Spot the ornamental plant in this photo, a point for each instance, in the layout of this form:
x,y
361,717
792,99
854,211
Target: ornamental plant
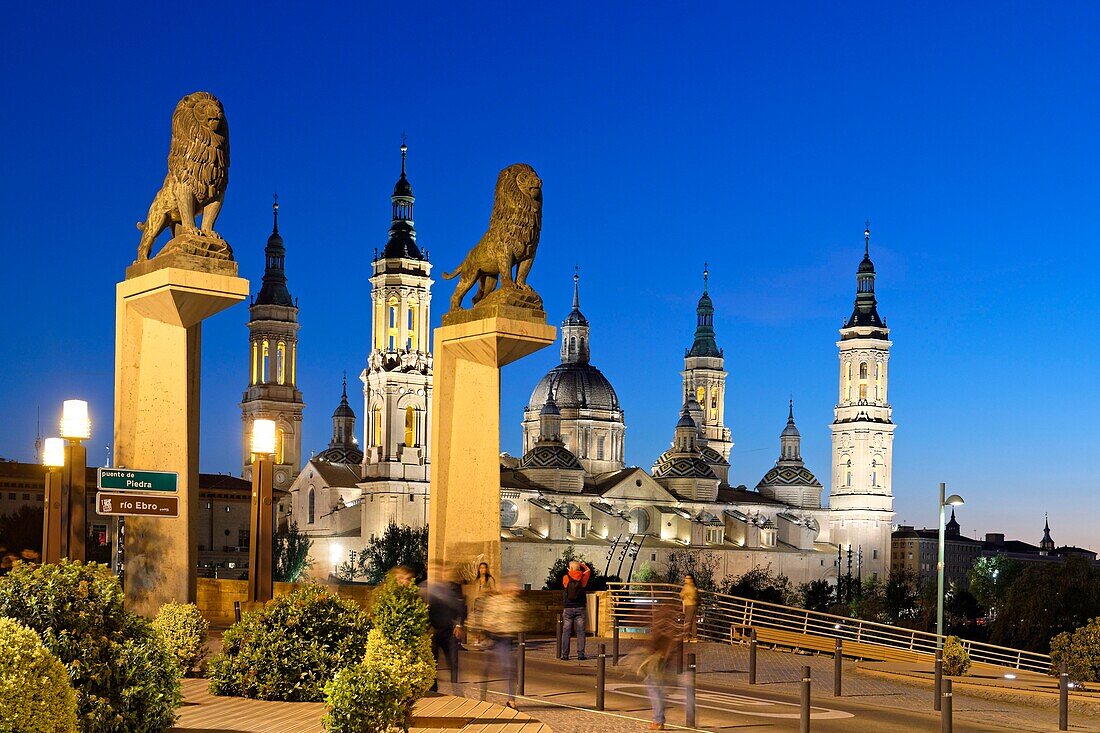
x,y
184,632
1080,650
956,660
377,695
291,647
35,694
124,677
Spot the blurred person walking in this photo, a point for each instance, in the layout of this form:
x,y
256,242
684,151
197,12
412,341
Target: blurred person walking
x,y
483,586
504,617
575,602
446,616
664,631
689,596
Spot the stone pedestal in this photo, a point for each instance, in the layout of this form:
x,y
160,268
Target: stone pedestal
x,y
158,333
464,510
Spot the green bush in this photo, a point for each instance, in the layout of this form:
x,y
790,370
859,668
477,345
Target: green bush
x,y
35,694
184,632
1080,649
956,660
290,648
378,694
125,679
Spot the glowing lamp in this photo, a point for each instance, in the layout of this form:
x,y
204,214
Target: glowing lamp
x,y
954,500
75,423
53,452
263,437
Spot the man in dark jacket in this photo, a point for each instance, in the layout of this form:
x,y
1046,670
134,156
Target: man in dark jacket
x,y
446,617
575,602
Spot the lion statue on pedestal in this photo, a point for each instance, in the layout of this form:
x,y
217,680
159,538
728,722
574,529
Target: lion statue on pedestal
x,y
510,243
198,172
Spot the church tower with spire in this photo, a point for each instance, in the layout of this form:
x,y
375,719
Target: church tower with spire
x,y
704,377
860,498
273,392
397,383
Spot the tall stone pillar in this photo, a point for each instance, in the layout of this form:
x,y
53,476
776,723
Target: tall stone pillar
x,y
158,334
464,513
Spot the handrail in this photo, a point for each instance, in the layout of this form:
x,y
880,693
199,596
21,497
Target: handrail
x,y
724,614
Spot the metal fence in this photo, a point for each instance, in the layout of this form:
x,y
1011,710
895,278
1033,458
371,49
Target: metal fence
x,y
728,619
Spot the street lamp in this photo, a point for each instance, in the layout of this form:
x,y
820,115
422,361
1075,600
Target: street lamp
x,y
75,427
953,500
261,527
53,457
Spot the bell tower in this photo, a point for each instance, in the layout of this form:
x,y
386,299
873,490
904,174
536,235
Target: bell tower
x,y
860,498
705,377
273,360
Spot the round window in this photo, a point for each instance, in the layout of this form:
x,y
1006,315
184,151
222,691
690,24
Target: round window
x,y
509,513
639,521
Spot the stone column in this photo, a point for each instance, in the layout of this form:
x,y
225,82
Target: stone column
x,y
158,334
464,509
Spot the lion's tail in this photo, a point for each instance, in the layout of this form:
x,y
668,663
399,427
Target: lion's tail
x,y
452,275
141,226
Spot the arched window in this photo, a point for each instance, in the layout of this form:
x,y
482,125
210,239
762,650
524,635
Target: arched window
x,y
714,401
410,425
410,326
280,440
377,425
874,472
311,505
639,521
701,395
572,344
393,325
255,362
280,363
848,474
263,363
863,370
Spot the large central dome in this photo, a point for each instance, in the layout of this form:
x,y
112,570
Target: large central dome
x,y
576,385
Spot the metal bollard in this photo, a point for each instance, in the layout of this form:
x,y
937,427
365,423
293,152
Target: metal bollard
x,y
615,643
804,715
557,650
601,672
680,653
689,693
838,666
752,656
237,610
1063,697
521,663
945,714
938,687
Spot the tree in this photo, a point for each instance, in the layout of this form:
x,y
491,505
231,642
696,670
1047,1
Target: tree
x,y
1046,599
900,598
870,603
557,571
989,579
699,565
759,584
817,595
402,545
290,554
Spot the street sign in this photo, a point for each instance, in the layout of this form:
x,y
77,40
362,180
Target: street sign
x,y
126,504
123,479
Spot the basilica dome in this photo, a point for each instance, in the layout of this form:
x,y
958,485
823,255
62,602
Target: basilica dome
x,y
576,385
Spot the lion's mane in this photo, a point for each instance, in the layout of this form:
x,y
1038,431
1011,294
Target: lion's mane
x,y
198,156
516,220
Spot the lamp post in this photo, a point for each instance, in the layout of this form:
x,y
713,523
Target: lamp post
x,y
953,500
75,427
260,522
53,457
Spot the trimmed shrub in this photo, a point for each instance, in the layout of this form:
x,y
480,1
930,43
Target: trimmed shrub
x,y
378,694
1080,649
125,679
35,694
956,660
184,632
290,648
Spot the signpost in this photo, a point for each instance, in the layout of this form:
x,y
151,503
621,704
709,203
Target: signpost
x,y
124,479
126,504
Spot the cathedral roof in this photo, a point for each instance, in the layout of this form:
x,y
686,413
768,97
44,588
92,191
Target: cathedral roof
x,y
788,476
576,386
274,290
346,454
550,456
671,465
712,457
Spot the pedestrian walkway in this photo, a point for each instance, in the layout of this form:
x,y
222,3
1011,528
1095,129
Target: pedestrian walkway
x,y
206,713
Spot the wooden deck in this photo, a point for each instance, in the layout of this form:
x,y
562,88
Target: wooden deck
x,y
205,713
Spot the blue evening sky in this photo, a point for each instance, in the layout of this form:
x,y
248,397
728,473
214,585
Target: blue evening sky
x,y
757,137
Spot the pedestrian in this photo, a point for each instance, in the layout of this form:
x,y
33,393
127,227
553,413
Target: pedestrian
x,y
689,596
483,586
504,617
446,617
663,633
575,607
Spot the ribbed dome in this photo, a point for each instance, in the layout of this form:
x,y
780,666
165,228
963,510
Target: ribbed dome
x,y
341,454
681,466
402,187
713,457
866,265
576,385
788,476
550,456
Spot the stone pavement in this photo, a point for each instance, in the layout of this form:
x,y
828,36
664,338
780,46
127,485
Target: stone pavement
x,y
725,665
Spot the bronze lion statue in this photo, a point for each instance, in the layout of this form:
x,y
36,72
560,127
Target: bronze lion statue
x,y
198,172
510,243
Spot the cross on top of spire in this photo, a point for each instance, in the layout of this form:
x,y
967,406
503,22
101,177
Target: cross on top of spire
x,y
706,276
867,238
275,211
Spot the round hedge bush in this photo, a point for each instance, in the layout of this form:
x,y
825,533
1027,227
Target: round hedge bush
x,y
35,694
1080,650
125,679
291,647
377,695
184,632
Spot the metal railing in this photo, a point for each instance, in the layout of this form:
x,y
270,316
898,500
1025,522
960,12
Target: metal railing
x,y
728,618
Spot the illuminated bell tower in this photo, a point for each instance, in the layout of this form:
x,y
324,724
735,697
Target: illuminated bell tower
x,y
397,383
273,391
861,501
705,377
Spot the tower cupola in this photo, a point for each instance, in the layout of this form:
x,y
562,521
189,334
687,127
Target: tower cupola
x,y
402,241
550,419
1046,545
865,312
704,344
575,330
790,440
274,290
